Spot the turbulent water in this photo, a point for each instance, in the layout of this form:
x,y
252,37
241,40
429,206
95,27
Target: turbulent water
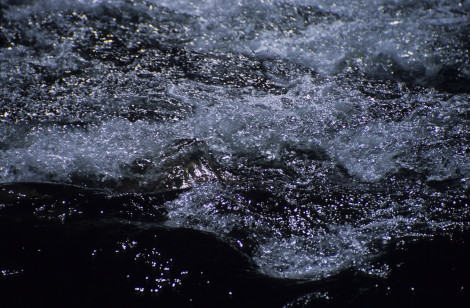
x,y
221,153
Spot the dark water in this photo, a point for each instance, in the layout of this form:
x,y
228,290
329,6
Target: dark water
x,y
234,153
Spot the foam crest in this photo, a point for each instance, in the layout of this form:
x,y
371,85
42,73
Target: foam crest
x,y
54,153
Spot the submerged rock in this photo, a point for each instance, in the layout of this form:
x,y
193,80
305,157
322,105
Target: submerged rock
x,y
182,165
187,162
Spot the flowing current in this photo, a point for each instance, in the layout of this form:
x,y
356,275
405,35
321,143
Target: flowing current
x,y
311,138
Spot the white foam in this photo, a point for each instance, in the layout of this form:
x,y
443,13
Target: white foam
x,y
55,153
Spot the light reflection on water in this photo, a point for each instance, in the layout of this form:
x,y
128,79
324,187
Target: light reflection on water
x,y
302,133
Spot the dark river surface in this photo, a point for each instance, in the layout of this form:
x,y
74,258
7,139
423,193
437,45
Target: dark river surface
x,y
216,153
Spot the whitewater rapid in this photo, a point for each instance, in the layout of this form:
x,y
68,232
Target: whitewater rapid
x,y
317,131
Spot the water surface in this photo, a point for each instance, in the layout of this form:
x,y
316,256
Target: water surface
x,y
234,153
